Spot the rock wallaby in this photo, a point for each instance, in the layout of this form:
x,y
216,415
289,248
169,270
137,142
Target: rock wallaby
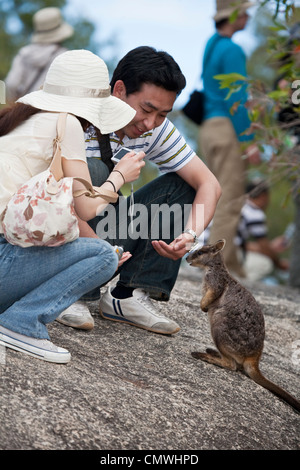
x,y
236,320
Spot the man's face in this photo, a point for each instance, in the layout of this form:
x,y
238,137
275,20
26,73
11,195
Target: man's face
x,y
152,104
241,21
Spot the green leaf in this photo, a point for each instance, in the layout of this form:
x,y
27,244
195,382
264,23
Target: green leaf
x,y
230,77
232,90
277,94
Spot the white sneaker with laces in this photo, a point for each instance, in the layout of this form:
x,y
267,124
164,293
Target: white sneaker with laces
x,y
39,348
137,310
77,316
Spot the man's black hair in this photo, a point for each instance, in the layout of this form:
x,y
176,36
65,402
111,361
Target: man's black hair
x,y
219,24
145,64
257,187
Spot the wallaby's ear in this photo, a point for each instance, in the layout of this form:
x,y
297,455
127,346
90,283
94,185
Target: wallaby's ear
x,y
219,245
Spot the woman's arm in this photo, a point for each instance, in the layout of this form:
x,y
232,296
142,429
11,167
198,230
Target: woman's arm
x,y
87,208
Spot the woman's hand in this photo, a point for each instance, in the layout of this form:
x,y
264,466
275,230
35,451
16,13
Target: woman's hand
x,y
130,165
125,257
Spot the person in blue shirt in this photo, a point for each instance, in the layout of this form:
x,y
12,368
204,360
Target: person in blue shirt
x,y
226,125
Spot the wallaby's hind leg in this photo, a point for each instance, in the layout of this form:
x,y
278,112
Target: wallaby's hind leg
x,y
213,357
213,352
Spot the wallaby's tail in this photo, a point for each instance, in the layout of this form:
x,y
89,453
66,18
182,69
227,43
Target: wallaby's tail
x,y
252,369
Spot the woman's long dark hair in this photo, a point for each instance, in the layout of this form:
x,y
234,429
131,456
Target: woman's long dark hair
x,y
17,113
14,115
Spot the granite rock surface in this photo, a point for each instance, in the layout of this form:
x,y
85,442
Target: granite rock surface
x,y
129,389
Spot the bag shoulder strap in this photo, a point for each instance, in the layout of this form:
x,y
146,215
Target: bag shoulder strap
x,y
56,164
92,191
57,171
209,51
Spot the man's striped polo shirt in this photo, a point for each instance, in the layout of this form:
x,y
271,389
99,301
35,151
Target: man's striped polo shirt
x,y
163,146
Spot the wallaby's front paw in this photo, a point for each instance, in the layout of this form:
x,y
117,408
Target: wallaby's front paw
x,y
204,304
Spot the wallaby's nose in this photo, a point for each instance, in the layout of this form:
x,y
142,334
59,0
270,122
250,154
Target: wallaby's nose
x,y
193,255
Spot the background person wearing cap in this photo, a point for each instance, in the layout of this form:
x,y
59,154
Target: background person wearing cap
x,y
221,132
31,64
38,283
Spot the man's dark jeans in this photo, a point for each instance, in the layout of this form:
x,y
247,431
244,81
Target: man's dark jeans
x,y
146,269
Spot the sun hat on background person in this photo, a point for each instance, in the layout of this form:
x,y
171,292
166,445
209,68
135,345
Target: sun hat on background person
x,y
225,8
77,82
30,65
49,26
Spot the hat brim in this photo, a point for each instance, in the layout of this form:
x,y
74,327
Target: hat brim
x,y
108,114
63,32
227,12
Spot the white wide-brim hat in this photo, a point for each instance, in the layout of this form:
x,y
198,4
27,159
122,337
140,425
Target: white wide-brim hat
x,y
77,82
49,27
225,8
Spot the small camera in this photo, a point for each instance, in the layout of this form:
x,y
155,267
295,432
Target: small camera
x,y
119,250
120,154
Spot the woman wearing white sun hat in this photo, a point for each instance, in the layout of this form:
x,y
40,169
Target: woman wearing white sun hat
x,y
38,283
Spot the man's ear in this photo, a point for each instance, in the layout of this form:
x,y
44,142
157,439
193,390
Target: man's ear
x,y
119,90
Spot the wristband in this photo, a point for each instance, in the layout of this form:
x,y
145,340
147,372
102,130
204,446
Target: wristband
x,y
108,181
191,232
120,174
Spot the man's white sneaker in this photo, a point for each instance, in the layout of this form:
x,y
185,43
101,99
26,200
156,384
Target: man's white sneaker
x,y
77,316
39,348
137,310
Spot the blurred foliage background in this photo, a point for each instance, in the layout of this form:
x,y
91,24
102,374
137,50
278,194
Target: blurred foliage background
x,y
272,22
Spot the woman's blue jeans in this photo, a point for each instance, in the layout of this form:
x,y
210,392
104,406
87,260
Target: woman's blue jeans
x,y
146,269
38,283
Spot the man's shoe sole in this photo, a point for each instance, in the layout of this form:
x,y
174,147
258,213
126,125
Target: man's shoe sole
x,y
108,316
84,326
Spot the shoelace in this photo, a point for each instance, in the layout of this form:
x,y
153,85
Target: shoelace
x,y
48,345
145,300
78,307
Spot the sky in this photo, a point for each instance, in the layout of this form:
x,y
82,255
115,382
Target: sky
x,y
179,27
